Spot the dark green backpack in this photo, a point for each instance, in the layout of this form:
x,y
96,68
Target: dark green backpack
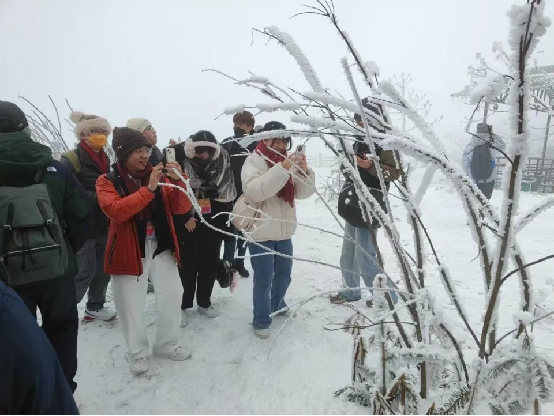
x,y
32,244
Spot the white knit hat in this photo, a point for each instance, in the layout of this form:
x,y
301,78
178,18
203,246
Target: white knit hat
x,y
86,123
139,124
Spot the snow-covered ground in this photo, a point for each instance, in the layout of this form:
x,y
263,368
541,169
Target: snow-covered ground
x,y
232,371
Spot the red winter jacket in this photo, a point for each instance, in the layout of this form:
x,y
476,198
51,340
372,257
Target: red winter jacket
x,y
123,256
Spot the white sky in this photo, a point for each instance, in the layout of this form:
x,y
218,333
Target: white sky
x,y
143,58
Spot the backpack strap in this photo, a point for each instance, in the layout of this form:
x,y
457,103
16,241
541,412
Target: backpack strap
x,y
73,157
118,184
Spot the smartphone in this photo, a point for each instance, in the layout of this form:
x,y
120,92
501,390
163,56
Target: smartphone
x,y
301,149
169,155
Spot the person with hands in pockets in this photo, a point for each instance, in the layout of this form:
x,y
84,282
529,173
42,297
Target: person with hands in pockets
x,y
273,181
142,238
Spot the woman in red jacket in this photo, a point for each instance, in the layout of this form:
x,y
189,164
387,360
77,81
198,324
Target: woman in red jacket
x,y
142,238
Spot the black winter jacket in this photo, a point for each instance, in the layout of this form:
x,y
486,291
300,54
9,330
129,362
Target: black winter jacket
x,y
87,177
233,148
348,205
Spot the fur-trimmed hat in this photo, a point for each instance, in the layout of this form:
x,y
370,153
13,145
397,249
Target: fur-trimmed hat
x,y
202,138
139,124
85,124
125,140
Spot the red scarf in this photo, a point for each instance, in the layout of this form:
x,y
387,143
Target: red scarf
x,y
132,186
100,159
272,158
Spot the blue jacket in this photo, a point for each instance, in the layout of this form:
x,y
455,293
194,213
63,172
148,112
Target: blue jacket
x,y
31,378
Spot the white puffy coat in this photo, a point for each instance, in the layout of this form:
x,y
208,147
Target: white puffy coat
x,y
261,183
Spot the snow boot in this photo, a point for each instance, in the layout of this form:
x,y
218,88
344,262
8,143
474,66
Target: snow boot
x,y
139,366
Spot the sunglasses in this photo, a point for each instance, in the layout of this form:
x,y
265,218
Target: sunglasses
x,y
205,149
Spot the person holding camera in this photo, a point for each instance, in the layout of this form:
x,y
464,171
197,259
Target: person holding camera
x,y
142,239
363,231
208,167
243,125
272,181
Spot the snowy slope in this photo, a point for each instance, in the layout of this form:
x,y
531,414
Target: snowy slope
x,y
234,372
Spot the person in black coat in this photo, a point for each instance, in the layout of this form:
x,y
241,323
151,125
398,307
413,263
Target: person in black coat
x,y
243,125
357,226
88,161
32,381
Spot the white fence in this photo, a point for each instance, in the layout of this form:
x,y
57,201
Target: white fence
x,y
320,160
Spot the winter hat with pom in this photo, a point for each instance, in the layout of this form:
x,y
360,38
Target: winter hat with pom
x,y
125,140
202,138
484,128
85,124
12,118
139,124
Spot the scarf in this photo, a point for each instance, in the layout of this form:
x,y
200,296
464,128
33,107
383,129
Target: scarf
x,y
213,180
272,158
133,187
100,159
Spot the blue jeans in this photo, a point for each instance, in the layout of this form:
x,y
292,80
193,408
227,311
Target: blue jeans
x,y
355,260
271,280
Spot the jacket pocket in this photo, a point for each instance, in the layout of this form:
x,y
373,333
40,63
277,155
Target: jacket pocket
x,y
112,248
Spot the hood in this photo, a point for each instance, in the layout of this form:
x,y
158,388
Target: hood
x,y
21,157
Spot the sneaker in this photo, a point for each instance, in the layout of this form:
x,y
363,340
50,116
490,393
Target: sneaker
x,y
239,267
184,321
288,313
104,314
176,354
139,366
210,311
262,333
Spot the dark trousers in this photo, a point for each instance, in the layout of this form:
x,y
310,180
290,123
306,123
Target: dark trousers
x,y
57,304
486,188
230,246
199,260
91,276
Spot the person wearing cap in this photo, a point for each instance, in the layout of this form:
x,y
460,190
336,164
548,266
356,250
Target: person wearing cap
x,y
87,162
243,125
146,128
142,238
270,180
24,162
479,158
208,167
356,226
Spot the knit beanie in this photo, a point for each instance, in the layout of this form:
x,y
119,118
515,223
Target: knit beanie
x,y
12,118
85,124
484,128
202,138
125,140
139,124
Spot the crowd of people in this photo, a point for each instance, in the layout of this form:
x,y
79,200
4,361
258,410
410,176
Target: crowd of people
x,y
70,227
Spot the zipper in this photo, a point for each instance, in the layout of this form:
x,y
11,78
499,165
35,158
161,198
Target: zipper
x,y
30,250
112,248
137,248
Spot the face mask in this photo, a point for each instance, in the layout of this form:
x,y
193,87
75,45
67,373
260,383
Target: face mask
x,y
239,132
97,141
201,162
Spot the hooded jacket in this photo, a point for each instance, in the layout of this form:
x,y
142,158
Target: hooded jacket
x,y
20,160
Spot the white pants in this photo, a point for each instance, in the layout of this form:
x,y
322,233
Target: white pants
x,y
130,296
